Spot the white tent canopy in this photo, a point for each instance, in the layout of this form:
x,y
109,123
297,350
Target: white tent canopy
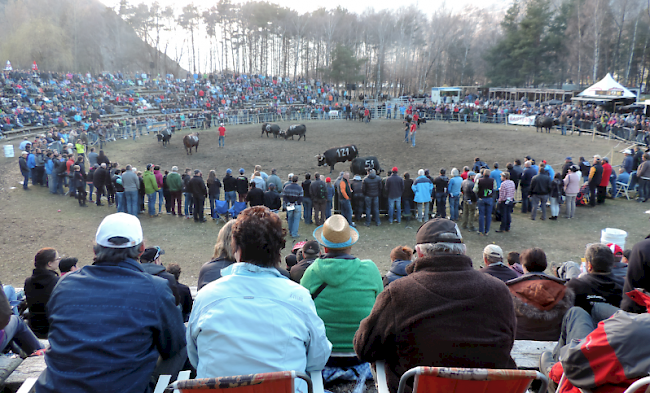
x,y
607,89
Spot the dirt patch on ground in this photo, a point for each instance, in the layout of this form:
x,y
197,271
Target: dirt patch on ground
x,y
35,219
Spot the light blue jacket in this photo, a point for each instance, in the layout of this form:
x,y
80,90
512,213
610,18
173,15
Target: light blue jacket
x,y
255,320
422,187
454,186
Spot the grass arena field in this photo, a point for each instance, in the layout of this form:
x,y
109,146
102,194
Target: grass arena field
x,y
35,219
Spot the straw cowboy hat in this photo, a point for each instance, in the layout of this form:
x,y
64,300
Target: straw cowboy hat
x,y
336,233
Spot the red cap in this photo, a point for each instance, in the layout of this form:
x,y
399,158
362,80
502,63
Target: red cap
x,y
616,249
544,161
394,169
298,245
328,179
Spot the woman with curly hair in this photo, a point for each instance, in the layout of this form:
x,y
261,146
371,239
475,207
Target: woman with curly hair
x,y
252,319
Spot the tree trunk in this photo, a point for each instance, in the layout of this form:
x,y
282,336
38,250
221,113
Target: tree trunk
x,y
629,62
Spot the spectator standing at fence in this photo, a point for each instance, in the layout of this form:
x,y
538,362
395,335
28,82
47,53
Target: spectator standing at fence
x,y
604,181
318,192
524,183
92,157
229,188
422,188
151,189
293,197
199,192
540,189
187,193
242,185
595,177
306,201
222,135
24,169
131,185
394,190
135,323
214,189
172,181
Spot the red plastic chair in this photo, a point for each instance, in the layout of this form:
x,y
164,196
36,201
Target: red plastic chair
x,y
276,382
470,380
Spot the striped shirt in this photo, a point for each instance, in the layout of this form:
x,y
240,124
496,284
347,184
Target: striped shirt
x,y
293,193
507,190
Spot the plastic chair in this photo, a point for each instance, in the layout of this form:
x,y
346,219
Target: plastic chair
x,y
275,382
623,187
237,208
639,383
465,380
221,209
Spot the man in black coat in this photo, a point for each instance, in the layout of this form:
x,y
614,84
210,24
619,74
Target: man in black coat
x,y
540,188
272,198
242,185
524,183
255,196
229,188
595,176
100,179
197,187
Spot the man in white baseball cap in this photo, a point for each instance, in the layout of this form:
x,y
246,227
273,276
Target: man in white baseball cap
x,y
113,328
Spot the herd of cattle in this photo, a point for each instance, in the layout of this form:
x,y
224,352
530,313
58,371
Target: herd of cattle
x,y
297,129
359,165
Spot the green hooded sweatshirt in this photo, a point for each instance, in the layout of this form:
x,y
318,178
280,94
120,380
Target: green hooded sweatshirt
x,y
352,287
150,184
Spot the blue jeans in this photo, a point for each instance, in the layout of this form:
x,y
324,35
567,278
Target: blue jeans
x,y
25,179
293,218
91,188
328,209
372,204
161,200
485,214
131,198
407,207
18,331
413,138
189,201
120,199
577,324
51,182
346,209
453,207
392,202
306,204
59,185
441,205
213,205
230,198
222,141
151,203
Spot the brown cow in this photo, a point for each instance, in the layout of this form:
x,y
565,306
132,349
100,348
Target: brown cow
x,y
191,140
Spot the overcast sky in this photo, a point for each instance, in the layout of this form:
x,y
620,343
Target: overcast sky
x,y
358,6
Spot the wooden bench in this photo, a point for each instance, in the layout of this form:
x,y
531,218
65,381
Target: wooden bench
x,y
526,353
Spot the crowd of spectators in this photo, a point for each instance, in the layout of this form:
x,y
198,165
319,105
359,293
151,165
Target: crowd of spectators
x,y
252,314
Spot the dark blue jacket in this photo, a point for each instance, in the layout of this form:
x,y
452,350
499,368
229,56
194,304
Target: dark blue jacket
x,y
527,177
397,270
109,322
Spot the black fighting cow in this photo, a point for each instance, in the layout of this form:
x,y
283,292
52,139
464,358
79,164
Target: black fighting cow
x,y
545,122
190,141
164,136
361,165
337,154
270,129
296,129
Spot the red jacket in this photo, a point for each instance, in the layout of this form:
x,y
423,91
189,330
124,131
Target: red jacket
x,y
607,172
607,361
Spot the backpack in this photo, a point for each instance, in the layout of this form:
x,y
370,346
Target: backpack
x,y
583,194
